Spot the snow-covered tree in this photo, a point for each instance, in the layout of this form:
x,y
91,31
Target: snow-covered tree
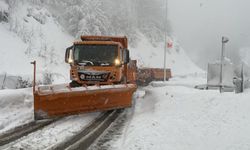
x,y
86,17
111,17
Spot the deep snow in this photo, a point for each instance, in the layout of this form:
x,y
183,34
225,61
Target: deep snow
x,y
179,117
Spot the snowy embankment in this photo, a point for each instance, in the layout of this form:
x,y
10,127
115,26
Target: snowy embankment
x,y
16,108
33,33
179,117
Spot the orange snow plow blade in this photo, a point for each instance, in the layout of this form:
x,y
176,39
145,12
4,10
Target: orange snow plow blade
x,y
61,100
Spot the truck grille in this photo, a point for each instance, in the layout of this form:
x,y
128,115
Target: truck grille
x,y
93,76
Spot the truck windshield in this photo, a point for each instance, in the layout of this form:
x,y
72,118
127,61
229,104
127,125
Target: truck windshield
x,y
95,55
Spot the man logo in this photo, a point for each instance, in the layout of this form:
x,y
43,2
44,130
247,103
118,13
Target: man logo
x,y
104,76
82,76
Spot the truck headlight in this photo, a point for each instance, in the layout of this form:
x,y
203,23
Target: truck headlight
x,y
117,62
70,60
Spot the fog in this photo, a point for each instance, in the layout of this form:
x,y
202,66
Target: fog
x,y
200,24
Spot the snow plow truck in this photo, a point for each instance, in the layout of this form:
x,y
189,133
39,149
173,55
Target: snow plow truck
x,y
102,78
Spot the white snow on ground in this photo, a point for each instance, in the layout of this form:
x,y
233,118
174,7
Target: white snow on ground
x,y
188,81
179,117
16,108
53,134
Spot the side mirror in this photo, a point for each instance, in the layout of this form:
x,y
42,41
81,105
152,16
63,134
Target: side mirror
x,y
126,56
68,54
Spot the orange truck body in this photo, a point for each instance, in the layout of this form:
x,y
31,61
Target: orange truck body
x,y
95,86
51,101
116,73
147,75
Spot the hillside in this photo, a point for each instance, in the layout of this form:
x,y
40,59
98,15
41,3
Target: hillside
x,y
35,31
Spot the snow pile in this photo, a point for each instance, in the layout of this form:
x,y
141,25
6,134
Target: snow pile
x,y
8,81
16,108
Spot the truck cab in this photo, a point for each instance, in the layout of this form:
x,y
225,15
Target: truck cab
x,y
98,60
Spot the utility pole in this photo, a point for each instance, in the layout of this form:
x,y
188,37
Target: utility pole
x,y
224,41
242,78
34,75
165,40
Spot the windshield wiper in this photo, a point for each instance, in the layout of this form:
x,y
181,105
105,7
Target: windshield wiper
x,y
103,63
85,62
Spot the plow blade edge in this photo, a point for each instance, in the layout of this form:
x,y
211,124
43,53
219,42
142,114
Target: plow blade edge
x,y
54,101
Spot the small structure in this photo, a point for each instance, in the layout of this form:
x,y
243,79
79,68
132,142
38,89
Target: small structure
x,y
223,79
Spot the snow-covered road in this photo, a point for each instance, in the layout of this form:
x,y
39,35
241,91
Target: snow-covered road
x,y
16,108
54,134
175,116
179,117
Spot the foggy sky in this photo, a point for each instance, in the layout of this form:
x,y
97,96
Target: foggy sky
x,y
199,25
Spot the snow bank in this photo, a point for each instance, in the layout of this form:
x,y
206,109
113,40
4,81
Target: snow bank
x,y
183,118
8,81
16,108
